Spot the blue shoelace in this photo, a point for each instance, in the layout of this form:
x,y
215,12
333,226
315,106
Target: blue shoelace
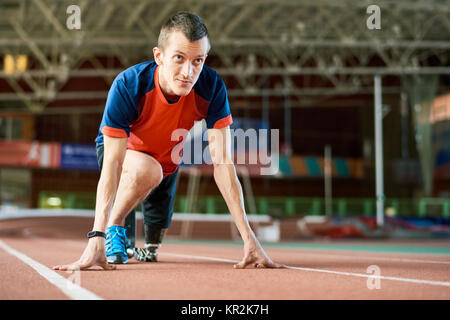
x,y
116,240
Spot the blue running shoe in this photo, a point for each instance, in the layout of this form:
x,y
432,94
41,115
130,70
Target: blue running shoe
x,y
115,245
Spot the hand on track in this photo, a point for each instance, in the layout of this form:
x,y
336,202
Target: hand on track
x,y
255,256
93,255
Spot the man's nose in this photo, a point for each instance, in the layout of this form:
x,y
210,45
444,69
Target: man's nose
x,y
186,70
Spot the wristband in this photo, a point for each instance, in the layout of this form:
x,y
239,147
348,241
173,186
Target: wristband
x,y
92,234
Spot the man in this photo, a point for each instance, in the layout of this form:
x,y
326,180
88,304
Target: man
x,y
145,105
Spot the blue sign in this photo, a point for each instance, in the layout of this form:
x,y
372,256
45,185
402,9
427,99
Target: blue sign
x,y
78,156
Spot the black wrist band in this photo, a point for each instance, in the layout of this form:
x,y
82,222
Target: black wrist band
x,y
92,234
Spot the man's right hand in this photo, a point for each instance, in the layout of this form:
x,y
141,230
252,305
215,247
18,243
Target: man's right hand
x,y
93,255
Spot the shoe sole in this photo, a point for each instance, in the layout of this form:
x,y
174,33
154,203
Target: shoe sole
x,y
152,258
116,260
146,260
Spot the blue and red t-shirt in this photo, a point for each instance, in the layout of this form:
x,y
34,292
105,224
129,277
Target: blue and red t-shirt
x,y
136,108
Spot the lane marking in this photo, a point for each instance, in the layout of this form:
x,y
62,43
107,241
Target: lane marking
x,y
376,258
342,256
425,249
361,275
70,289
338,250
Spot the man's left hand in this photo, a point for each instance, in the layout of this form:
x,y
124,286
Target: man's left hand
x,y
255,256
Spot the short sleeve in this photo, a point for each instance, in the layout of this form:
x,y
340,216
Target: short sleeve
x,y
219,115
120,111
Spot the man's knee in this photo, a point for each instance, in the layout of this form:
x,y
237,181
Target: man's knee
x,y
151,175
143,170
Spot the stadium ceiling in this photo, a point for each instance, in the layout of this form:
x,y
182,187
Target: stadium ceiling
x,y
264,46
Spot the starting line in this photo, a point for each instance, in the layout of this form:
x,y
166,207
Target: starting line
x,y
361,275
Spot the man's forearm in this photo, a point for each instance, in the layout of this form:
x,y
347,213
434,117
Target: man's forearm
x,y
229,186
106,192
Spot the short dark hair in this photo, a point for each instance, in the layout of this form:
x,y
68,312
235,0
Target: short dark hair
x,y
190,24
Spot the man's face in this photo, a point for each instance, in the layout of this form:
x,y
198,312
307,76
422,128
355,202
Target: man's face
x,y
181,63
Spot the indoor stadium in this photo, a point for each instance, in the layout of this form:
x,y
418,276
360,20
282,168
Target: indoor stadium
x,y
241,151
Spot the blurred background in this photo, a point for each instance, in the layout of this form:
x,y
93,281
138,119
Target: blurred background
x,y
304,67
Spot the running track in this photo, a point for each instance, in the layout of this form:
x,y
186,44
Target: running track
x,y
203,270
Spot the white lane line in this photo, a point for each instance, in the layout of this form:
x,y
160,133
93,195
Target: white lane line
x,y
341,256
72,290
362,275
375,258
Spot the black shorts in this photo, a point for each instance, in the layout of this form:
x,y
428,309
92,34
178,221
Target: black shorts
x,y
157,208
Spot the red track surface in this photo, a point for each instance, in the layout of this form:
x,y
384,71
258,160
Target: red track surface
x,y
192,277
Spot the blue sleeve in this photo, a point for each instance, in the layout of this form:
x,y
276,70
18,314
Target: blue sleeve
x,y
120,110
219,115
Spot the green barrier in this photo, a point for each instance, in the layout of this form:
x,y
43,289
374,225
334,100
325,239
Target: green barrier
x,y
276,206
342,207
446,209
66,200
368,207
316,207
263,205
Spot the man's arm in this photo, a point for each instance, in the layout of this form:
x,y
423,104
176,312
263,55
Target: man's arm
x,y
228,184
113,157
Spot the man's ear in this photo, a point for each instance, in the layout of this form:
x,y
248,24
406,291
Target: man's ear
x,y
157,54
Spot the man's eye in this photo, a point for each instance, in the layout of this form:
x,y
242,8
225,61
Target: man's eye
x,y
178,57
